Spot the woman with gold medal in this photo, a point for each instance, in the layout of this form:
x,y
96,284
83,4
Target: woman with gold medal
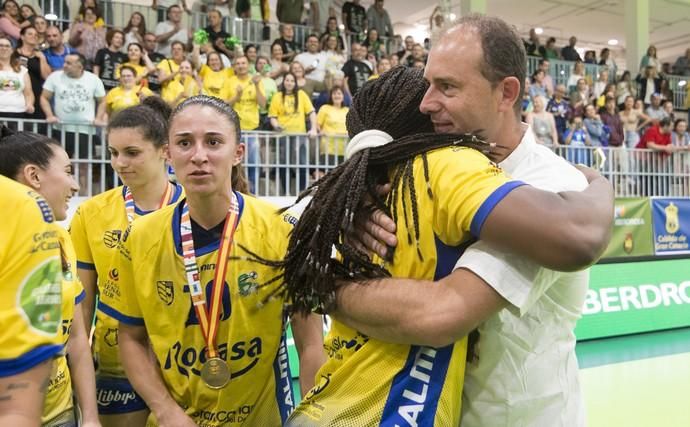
x,y
188,290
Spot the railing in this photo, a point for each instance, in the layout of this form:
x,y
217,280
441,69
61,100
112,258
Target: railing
x,y
284,164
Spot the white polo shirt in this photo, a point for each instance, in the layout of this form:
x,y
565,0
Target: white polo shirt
x,y
527,373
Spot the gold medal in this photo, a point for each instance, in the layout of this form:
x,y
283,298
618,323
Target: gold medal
x,y
215,373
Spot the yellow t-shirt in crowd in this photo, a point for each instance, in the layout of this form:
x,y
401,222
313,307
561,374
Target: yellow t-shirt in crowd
x,y
290,118
247,107
119,98
141,70
187,87
331,121
213,81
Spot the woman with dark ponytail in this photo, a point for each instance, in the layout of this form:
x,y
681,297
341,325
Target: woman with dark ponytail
x,y
42,164
138,145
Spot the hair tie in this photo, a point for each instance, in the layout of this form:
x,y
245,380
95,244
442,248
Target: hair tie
x,y
366,139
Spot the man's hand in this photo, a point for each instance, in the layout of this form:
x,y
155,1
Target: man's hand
x,y
374,233
52,119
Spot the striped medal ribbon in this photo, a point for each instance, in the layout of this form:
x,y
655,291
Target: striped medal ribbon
x,y
215,371
129,201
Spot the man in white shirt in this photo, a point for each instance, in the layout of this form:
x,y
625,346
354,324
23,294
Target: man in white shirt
x,y
171,30
526,371
313,60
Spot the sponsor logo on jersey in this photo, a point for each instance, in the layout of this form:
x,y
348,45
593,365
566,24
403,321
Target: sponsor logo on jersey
x,y
247,283
111,238
242,356
40,297
114,275
46,241
110,337
211,418
115,397
166,291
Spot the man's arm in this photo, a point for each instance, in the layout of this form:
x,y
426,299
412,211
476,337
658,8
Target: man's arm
x,y
46,96
144,374
421,312
21,396
308,334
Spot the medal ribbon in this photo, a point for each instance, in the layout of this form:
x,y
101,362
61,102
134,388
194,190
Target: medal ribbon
x,y
208,319
129,201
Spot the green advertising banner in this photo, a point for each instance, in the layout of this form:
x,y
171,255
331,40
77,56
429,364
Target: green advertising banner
x,y
628,298
632,229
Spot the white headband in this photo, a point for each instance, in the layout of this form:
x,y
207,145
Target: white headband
x,y
367,139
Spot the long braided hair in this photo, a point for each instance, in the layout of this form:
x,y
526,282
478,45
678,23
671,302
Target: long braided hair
x,y
390,104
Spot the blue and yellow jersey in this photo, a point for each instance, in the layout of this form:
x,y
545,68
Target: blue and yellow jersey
x,y
30,274
367,382
59,393
153,292
96,230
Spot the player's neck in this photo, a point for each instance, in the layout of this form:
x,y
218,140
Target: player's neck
x,y
148,197
209,210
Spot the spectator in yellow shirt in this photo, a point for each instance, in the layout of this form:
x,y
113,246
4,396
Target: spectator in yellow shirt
x,y
127,94
213,75
331,121
139,61
184,85
289,110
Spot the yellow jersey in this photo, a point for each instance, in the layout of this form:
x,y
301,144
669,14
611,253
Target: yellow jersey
x,y
119,98
247,107
290,118
31,274
96,229
213,81
153,292
59,391
331,121
187,87
367,382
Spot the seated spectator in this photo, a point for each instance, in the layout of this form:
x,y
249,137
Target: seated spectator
x,y
667,106
357,72
16,97
577,138
606,60
290,109
169,68
127,94
406,51
87,38
650,60
57,51
251,52
138,59
109,59
263,69
216,32
287,42
533,45
580,97
599,86
200,56
576,74
680,136
590,57
624,89
655,111
648,84
682,65
335,58
332,30
313,62
381,67
595,127
537,86
568,53
560,108
395,61
9,20
331,123
375,46
171,30
657,137
335,79
542,123
135,30
633,121
550,50
278,67
81,14
41,25
612,120
28,15
181,86
213,75
309,86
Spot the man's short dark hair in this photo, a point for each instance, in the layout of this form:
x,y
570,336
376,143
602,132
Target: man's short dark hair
x,y
503,52
665,122
82,58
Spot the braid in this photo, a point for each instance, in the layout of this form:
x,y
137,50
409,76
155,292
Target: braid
x,y
310,273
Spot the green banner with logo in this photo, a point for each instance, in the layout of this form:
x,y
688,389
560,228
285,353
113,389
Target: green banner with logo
x,y
632,229
634,297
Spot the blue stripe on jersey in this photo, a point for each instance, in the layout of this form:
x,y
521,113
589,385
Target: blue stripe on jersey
x,y
416,389
447,257
177,195
177,192
208,248
489,204
283,379
28,360
133,321
79,298
86,266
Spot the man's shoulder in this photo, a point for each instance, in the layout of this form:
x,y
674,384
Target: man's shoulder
x,y
544,169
